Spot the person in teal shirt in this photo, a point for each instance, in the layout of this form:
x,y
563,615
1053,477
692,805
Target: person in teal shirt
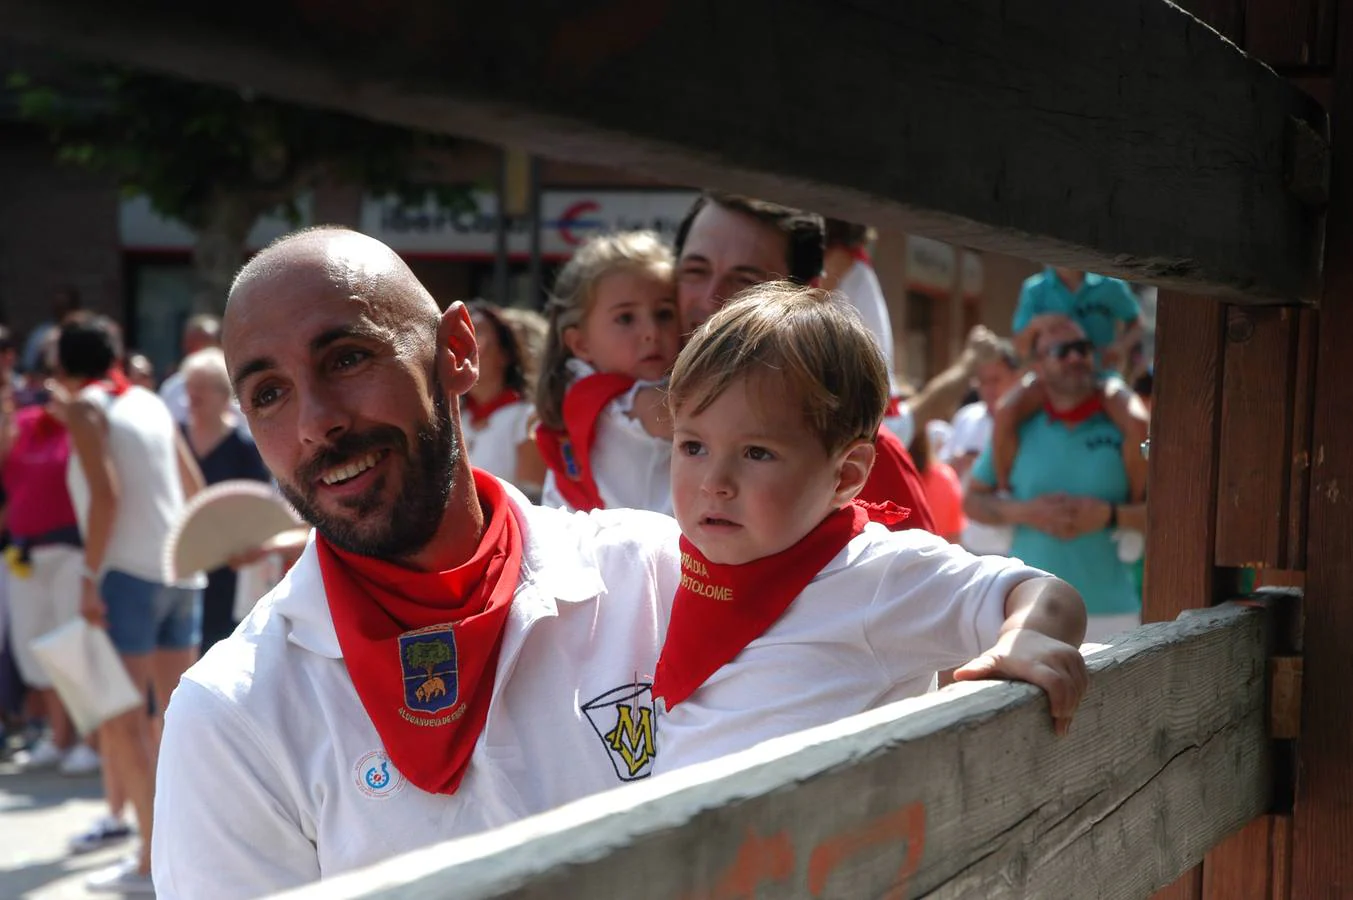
x,y
1107,312
1104,307
1069,489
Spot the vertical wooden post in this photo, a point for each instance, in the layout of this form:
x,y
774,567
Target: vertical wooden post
x,y
1181,513
1181,510
1322,835
1256,407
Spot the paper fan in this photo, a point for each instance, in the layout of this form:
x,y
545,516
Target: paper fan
x,y
223,521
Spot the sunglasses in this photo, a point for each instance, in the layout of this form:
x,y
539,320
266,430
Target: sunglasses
x,y
1066,348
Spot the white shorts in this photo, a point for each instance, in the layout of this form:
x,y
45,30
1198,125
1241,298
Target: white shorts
x,y
47,598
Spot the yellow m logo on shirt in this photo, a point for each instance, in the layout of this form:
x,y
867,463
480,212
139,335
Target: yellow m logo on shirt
x,y
631,739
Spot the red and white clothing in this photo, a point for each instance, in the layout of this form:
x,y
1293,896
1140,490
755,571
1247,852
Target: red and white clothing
x,y
45,588
493,431
890,611
632,468
272,775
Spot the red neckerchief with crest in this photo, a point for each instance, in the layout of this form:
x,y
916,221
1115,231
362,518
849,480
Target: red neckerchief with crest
x,y
720,609
568,453
422,647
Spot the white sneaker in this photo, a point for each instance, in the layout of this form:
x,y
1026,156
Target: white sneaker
x,y
41,755
105,831
120,878
81,760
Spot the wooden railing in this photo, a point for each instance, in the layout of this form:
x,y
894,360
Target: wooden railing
x,y
961,794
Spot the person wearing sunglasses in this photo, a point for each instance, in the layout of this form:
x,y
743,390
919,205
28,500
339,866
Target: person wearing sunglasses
x,y
1071,498
1110,317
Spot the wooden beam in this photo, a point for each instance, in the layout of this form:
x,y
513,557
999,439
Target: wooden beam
x,y
1125,138
1322,826
962,794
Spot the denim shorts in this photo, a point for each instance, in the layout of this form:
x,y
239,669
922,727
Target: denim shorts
x,y
144,616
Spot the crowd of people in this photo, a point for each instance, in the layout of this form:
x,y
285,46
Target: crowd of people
x,y
688,508
96,470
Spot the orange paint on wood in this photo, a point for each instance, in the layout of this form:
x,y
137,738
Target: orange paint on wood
x,y
905,827
759,861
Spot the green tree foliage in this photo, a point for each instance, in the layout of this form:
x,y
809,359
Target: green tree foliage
x,y
217,159
427,655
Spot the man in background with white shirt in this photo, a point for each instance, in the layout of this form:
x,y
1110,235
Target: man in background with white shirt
x,y
847,268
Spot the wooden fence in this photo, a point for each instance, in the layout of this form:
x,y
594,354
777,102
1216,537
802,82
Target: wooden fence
x,y
961,794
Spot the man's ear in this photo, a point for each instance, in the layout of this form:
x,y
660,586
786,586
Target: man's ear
x,y
853,471
576,343
457,357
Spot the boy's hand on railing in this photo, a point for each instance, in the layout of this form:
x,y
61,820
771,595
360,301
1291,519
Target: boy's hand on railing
x,y
1023,654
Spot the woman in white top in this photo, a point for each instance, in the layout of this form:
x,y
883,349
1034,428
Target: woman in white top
x,y
496,413
128,476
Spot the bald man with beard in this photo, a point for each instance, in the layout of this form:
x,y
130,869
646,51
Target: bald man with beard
x,y
444,658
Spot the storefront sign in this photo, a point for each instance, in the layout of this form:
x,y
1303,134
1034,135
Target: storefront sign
x,y
568,218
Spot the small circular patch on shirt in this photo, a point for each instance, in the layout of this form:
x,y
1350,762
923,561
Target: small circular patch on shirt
x,y
376,776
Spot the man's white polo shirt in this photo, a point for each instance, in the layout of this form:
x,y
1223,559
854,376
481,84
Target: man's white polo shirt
x,y
271,774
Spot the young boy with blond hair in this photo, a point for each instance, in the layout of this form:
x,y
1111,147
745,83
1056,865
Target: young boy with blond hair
x,y
796,605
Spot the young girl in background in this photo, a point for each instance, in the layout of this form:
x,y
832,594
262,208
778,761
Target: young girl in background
x,y
604,431
497,412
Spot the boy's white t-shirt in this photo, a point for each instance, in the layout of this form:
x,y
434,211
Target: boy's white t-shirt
x,y
632,468
875,626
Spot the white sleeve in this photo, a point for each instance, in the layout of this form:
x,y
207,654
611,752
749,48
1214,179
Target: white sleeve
x,y
226,825
938,606
632,468
861,287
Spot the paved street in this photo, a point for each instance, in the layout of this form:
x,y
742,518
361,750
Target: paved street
x,y
38,812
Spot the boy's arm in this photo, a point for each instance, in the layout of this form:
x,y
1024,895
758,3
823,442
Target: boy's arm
x,y
1044,624
938,606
